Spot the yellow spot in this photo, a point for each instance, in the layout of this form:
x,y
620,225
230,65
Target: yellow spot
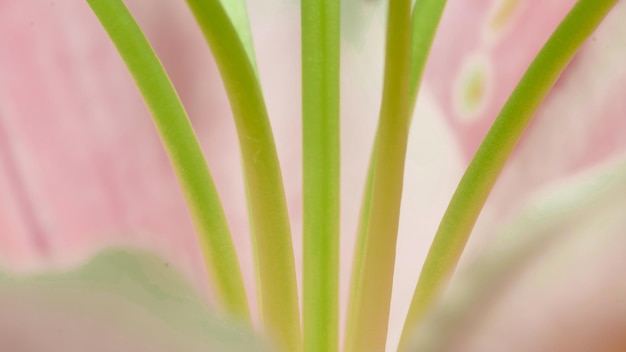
x,y
474,89
503,14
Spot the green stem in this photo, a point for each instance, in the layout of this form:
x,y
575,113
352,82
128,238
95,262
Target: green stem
x,y
237,11
266,195
321,169
184,152
424,22
373,293
359,249
478,180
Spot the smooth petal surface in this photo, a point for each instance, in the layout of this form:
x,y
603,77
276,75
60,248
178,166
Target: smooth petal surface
x,y
83,165
71,173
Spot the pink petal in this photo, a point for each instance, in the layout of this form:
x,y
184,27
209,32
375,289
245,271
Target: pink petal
x,y
480,53
81,162
580,125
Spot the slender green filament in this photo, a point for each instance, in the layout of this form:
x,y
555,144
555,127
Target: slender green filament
x,y
479,178
424,22
408,42
321,154
184,152
368,328
266,195
237,11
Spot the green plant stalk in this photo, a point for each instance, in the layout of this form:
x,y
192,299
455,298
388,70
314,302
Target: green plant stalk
x,y
373,293
267,205
183,150
237,11
359,249
321,173
425,19
482,173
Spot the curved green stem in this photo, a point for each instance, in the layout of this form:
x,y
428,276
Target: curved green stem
x,y
238,13
480,176
321,165
373,293
184,152
266,195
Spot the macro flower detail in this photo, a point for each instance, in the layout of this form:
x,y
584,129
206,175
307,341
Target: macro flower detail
x,y
334,139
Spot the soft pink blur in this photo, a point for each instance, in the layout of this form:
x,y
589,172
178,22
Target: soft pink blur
x,y
81,165
580,124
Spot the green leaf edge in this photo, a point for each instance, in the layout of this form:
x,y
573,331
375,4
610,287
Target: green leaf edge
x,y
135,277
